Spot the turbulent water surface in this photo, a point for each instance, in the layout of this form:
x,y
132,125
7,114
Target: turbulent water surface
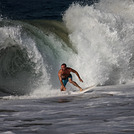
x,y
96,39
107,110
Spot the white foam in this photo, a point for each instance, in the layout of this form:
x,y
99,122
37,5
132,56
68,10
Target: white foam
x,y
7,132
104,41
123,8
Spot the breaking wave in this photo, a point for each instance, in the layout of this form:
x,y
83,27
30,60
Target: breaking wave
x,y
96,40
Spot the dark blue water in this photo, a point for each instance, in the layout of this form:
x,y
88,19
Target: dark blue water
x,y
36,9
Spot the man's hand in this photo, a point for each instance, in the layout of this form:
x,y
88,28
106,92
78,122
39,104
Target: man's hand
x,y
63,88
80,80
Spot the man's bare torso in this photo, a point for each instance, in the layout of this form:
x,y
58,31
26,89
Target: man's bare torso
x,y
65,73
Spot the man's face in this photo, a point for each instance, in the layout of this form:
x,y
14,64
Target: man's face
x,y
63,67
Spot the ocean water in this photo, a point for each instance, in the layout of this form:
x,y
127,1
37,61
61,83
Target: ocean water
x,y
96,38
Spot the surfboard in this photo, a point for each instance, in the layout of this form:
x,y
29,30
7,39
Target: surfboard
x,y
85,90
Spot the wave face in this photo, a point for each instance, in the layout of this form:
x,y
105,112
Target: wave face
x,y
97,41
30,55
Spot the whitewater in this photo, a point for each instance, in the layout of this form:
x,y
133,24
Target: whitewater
x,y
96,40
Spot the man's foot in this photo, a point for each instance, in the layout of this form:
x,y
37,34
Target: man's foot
x,y
63,89
81,89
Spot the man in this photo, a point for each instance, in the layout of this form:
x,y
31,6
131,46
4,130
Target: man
x,y
65,76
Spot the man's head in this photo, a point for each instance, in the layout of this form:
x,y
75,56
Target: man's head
x,y
63,66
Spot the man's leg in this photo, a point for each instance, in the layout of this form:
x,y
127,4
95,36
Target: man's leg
x,y
64,83
75,84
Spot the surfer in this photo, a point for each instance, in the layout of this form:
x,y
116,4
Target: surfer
x,y
65,76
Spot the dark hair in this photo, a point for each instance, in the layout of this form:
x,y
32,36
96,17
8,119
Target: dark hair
x,y
64,65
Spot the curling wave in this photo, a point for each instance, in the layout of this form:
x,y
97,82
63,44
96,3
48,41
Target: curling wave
x,y
97,43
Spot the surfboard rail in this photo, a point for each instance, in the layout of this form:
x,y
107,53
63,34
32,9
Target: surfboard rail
x,y
87,89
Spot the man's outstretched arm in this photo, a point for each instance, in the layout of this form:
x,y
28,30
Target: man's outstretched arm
x,y
74,71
